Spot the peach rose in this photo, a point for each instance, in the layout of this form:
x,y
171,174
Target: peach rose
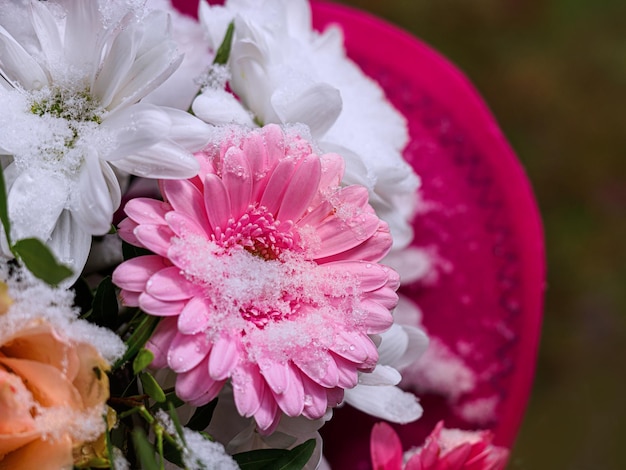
x,y
52,398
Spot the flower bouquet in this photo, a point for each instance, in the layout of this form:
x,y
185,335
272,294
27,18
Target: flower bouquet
x,y
251,237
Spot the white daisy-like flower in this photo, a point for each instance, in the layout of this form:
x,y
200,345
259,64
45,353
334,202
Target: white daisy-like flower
x,y
72,77
284,72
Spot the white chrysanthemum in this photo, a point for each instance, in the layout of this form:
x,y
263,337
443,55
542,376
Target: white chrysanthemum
x,y
72,77
284,72
179,90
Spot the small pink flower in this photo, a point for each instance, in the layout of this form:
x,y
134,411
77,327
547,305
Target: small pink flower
x,y
444,449
265,272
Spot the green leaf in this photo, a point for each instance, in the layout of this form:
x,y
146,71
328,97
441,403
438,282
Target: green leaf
x,y
258,459
173,454
105,307
144,449
202,417
138,339
40,261
223,52
4,210
151,387
295,459
176,421
170,398
142,360
109,444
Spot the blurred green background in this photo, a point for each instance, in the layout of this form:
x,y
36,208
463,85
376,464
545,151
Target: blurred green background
x,y
554,74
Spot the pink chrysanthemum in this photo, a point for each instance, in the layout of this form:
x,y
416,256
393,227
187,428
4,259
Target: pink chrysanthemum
x,y
265,272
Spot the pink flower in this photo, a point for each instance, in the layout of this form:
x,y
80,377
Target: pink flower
x,y
265,272
444,449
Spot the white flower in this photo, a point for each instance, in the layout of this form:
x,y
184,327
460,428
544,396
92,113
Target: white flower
x,y
72,77
179,90
284,72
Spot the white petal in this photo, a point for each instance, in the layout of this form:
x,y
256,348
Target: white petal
x,y
94,208
35,201
82,22
381,375
165,160
385,402
18,66
318,106
218,107
413,264
215,20
155,62
70,244
116,65
47,31
179,90
136,128
187,131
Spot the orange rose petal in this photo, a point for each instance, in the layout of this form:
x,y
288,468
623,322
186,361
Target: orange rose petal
x,y
48,385
15,405
11,442
41,455
41,343
91,380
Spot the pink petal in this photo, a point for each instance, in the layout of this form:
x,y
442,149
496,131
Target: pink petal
x,y
355,347
348,377
223,358
134,274
256,153
291,401
169,285
373,249
385,448
335,396
196,386
278,181
160,308
194,317
378,318
276,375
216,202
187,199
322,370
159,342
385,297
333,166
455,458
129,298
267,416
186,351
337,235
248,388
183,225
126,229
315,399
147,211
302,187
237,178
156,238
274,141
